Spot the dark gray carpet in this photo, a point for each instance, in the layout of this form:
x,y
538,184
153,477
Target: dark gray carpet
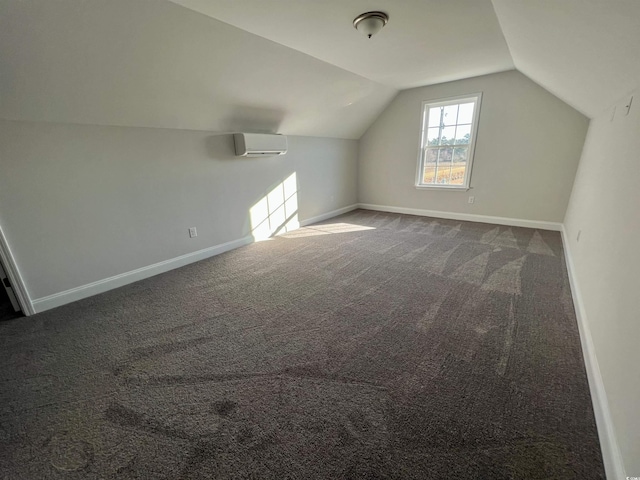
x,y
373,346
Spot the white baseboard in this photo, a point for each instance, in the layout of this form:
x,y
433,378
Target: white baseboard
x,y
469,217
100,286
15,277
610,450
611,455
94,288
325,216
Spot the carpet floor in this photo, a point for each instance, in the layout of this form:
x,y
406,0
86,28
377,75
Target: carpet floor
x,y
369,346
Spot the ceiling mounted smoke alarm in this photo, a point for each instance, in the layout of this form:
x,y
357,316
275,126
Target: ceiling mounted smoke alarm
x,y
370,23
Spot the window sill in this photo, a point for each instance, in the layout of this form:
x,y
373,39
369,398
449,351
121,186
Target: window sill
x,y
443,188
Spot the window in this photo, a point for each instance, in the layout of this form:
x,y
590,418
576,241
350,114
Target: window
x,y
448,136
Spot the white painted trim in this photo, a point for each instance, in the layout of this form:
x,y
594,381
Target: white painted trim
x,y
476,98
613,464
100,286
325,216
469,217
443,188
610,451
15,277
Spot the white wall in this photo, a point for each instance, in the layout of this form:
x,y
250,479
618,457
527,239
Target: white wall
x,y
585,52
86,194
604,207
527,151
81,203
152,63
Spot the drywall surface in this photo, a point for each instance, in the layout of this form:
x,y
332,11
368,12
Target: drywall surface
x,y
585,52
527,151
604,210
151,63
402,55
82,203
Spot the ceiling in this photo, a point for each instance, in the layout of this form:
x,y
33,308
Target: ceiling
x,y
425,41
586,52
296,67
151,63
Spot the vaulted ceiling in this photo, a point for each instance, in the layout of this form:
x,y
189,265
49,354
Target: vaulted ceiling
x,y
425,41
296,66
586,52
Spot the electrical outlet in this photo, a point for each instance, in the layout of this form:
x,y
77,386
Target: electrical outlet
x,y
578,236
472,199
193,232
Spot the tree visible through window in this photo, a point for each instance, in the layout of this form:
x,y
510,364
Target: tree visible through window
x,y
447,141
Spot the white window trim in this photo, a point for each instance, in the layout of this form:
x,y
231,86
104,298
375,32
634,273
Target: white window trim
x,y
475,97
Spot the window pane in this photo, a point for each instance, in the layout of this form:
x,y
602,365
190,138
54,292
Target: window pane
x,y
448,136
444,173
459,165
460,154
429,173
466,113
433,136
445,155
450,115
431,156
463,134
457,173
434,116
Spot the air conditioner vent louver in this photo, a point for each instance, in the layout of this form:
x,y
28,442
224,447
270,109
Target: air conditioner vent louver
x,y
259,144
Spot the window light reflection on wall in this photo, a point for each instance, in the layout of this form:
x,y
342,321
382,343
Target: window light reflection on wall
x,y
277,211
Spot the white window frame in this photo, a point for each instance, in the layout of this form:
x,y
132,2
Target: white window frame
x,y
476,98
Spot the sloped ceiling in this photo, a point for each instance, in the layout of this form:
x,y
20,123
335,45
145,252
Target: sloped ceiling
x,y
151,63
586,52
296,66
425,41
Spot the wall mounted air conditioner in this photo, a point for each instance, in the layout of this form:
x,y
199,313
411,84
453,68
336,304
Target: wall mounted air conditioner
x,y
259,144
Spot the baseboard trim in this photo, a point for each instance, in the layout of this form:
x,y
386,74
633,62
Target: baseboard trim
x,y
15,277
469,217
100,286
326,216
78,293
611,455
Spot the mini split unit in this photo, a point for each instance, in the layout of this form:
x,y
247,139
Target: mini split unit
x,y
259,144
